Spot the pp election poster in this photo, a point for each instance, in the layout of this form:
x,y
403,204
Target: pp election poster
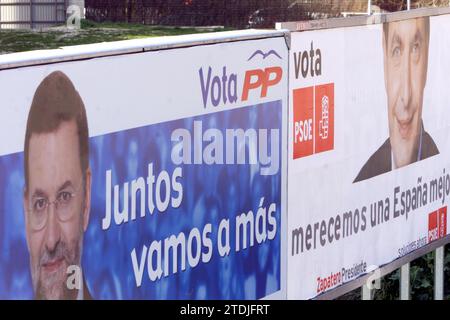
x,y
157,175
369,168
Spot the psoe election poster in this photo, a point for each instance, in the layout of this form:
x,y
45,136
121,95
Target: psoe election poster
x,y
369,162
156,175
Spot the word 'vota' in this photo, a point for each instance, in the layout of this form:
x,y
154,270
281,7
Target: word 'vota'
x,y
218,88
212,146
222,88
308,61
151,196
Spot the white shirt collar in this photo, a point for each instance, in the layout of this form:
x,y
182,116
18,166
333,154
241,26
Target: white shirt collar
x,y
419,151
393,166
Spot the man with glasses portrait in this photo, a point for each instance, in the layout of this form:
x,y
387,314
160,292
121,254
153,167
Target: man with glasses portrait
x,y
57,188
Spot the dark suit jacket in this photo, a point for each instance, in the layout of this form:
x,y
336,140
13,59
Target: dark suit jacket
x,y
380,161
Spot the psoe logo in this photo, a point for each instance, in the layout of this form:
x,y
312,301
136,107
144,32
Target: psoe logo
x,y
437,224
220,86
313,120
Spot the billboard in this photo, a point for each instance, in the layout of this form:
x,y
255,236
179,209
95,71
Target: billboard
x,y
153,175
368,162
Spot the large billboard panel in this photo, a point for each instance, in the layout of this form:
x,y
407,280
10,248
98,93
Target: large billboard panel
x,y
155,175
369,169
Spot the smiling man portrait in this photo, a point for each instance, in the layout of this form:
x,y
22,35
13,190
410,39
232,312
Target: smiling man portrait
x,y
405,47
57,188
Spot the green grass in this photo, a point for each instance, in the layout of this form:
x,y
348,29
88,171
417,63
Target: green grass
x,y
90,32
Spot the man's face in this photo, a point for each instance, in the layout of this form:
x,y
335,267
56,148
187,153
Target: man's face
x,y
57,209
405,72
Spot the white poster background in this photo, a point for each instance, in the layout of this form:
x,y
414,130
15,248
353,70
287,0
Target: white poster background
x,y
320,186
128,91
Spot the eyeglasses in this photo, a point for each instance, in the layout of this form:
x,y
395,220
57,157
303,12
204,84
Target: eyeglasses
x,y
39,208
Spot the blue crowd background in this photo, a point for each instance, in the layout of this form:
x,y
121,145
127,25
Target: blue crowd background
x,y
210,193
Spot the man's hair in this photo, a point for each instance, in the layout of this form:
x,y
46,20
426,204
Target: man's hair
x,y
427,29
55,101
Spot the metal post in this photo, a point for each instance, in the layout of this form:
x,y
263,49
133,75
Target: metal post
x,y
404,282
66,5
31,14
366,292
56,10
369,7
439,273
408,4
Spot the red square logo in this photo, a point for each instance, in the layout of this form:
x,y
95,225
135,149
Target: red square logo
x,y
324,118
432,226
437,224
303,101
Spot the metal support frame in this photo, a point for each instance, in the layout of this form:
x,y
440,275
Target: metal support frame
x,y
366,292
405,279
405,292
439,273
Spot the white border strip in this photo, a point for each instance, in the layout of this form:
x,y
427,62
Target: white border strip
x,y
310,25
87,51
